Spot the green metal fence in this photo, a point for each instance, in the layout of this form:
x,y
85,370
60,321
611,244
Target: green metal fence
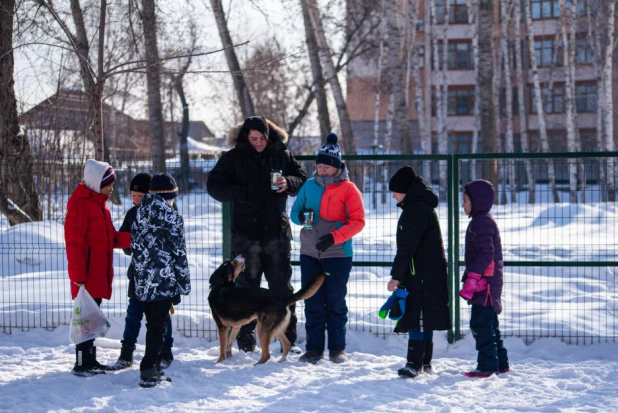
x,y
560,258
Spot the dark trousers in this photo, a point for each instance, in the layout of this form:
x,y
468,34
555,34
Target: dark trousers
x,y
485,330
157,314
133,324
327,309
273,259
87,344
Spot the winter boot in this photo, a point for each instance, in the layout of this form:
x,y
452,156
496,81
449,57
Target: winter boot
x,y
337,357
83,366
165,357
152,377
294,349
311,357
124,361
427,367
414,366
95,364
477,374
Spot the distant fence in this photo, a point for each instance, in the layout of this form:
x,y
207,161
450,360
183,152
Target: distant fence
x,y
560,258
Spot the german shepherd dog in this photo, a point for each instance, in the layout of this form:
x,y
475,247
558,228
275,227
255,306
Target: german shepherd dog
x,y
234,307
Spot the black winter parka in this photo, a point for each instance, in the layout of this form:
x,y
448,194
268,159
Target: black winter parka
x,y
420,263
242,177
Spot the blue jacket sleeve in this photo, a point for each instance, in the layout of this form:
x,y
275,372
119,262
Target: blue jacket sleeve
x,y
299,205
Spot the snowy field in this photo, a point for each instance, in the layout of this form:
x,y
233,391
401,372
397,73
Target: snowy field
x,y
578,304
546,376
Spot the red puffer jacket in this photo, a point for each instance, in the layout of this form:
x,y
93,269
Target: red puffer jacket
x,y
90,238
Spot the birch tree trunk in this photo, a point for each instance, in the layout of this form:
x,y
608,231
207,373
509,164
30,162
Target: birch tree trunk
x,y
396,76
496,90
440,121
18,197
486,83
333,80
427,131
317,73
569,67
242,91
472,6
153,84
508,84
609,101
523,127
551,173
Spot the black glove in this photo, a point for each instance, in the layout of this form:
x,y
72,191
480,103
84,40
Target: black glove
x,y
325,242
301,216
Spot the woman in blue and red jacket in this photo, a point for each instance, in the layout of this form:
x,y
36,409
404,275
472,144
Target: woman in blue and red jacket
x,y
90,238
338,215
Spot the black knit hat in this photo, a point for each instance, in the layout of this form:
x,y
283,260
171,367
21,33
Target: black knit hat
x,y
257,123
401,181
164,184
330,152
141,182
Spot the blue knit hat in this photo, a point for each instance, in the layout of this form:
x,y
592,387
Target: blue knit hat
x,y
330,153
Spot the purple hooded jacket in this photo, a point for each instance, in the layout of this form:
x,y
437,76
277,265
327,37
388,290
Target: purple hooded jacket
x,y
483,244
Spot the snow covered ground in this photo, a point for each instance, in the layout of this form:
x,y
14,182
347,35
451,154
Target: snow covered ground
x,y
546,376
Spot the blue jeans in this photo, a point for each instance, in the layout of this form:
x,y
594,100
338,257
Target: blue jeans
x,y
133,323
327,309
484,326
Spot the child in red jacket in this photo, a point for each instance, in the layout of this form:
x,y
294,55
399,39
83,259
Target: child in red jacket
x,y
90,238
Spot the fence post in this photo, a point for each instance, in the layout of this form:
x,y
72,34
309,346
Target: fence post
x,y
455,256
226,229
451,236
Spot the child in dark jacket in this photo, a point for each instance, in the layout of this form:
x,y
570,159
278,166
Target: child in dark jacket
x,y
483,279
140,184
161,268
419,268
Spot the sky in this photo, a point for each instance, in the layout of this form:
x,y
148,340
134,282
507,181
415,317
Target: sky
x,y
547,374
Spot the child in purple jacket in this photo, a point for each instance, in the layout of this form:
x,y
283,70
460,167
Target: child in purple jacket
x,y
483,279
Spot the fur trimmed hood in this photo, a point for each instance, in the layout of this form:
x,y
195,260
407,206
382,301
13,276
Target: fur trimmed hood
x,y
275,134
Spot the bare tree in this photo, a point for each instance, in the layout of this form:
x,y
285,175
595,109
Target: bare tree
x,y
523,127
242,91
485,80
608,101
317,73
426,134
551,172
472,6
506,11
331,76
153,81
18,197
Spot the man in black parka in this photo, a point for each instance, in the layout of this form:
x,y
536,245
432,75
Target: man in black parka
x,y
260,224
420,268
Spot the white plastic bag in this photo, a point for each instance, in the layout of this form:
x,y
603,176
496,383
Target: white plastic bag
x,y
88,321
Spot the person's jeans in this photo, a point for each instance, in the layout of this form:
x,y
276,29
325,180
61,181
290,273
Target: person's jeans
x,y
157,314
133,323
327,309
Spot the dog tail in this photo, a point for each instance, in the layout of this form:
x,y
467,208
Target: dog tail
x,y
309,290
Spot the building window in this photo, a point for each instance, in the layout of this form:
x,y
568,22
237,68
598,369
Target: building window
x,y
459,143
460,56
544,9
586,98
461,102
553,105
544,50
457,11
583,52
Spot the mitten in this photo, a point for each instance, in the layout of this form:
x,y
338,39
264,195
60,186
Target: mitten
x,y
301,216
325,242
475,282
395,306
